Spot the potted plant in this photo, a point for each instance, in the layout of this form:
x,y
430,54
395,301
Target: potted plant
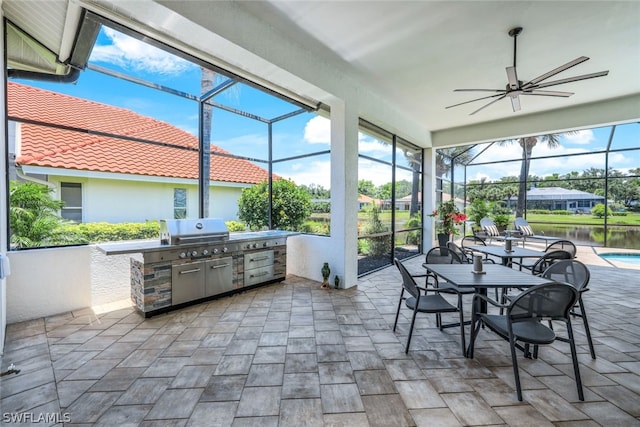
x,y
449,218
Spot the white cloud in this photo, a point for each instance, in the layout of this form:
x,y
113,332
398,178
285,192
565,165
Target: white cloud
x,y
306,173
580,137
318,131
133,54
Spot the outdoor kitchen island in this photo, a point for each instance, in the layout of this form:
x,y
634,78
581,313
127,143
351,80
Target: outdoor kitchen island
x,y
190,263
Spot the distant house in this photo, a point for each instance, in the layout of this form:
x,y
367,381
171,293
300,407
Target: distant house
x,y
558,198
151,172
364,201
404,203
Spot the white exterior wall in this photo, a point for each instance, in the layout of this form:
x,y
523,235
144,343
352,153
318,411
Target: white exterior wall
x,y
66,279
118,200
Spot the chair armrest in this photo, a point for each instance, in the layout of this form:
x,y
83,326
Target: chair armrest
x,y
489,300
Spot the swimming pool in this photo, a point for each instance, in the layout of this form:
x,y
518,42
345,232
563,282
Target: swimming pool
x,y
622,257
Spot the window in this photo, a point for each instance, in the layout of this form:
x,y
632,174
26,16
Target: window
x,y
71,196
179,203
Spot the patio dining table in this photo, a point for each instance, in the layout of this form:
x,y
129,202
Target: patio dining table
x,y
507,257
495,276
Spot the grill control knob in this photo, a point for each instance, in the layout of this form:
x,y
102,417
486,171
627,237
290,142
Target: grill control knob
x,y
205,252
255,245
265,244
215,250
182,255
249,246
194,253
225,249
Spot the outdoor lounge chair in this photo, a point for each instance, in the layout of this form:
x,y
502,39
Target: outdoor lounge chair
x,y
527,233
490,230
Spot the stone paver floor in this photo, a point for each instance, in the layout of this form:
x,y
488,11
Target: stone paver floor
x,y
291,354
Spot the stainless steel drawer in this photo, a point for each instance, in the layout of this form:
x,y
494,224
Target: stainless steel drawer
x,y
258,275
258,259
219,277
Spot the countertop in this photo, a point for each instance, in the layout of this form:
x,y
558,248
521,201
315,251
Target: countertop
x,y
129,247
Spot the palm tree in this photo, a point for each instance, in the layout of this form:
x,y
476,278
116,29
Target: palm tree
x,y
527,144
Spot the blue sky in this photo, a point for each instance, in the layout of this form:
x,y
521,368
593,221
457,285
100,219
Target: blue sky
x,y
303,134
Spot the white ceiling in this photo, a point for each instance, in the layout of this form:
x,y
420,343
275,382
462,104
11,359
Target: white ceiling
x,y
412,54
417,52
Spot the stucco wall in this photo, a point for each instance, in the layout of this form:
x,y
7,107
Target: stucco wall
x,y
118,200
46,282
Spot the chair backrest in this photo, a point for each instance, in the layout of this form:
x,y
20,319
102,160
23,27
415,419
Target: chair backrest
x,y
471,241
408,282
570,271
489,227
442,255
546,260
564,245
523,226
551,300
457,250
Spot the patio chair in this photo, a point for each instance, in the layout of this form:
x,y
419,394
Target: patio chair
x,y
425,300
436,255
526,232
522,323
490,230
564,245
545,261
575,273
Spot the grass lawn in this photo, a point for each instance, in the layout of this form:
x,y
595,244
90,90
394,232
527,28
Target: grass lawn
x,y
629,219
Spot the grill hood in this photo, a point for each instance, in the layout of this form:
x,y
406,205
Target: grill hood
x,y
189,231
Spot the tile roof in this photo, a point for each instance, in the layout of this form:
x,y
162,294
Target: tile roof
x,y
70,149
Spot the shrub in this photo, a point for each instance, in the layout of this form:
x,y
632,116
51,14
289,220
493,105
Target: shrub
x,y
98,232
378,245
235,225
599,211
291,205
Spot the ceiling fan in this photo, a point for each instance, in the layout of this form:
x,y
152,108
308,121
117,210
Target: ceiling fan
x,y
516,87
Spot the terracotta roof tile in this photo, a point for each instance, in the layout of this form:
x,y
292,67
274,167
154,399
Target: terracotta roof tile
x,y
67,149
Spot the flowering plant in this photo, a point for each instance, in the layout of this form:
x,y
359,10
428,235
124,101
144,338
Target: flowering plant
x,y
450,218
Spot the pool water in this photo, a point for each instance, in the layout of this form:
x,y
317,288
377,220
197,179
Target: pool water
x,y
622,257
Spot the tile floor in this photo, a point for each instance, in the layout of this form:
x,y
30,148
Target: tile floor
x,y
291,354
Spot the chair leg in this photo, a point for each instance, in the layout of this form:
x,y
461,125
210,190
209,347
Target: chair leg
x,y
398,312
462,337
473,334
413,321
514,362
583,313
574,358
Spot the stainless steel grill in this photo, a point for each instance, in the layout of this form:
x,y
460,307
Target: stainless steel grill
x,y
193,231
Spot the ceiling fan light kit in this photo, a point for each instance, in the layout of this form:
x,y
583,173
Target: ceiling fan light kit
x,y
515,87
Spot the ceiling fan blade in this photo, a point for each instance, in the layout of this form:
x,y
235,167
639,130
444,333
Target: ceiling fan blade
x,y
515,102
555,71
512,76
477,99
570,79
479,90
547,93
486,105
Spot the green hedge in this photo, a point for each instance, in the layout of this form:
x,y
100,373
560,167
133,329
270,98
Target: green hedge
x,y
99,232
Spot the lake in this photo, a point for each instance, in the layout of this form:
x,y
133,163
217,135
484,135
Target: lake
x,y
617,237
